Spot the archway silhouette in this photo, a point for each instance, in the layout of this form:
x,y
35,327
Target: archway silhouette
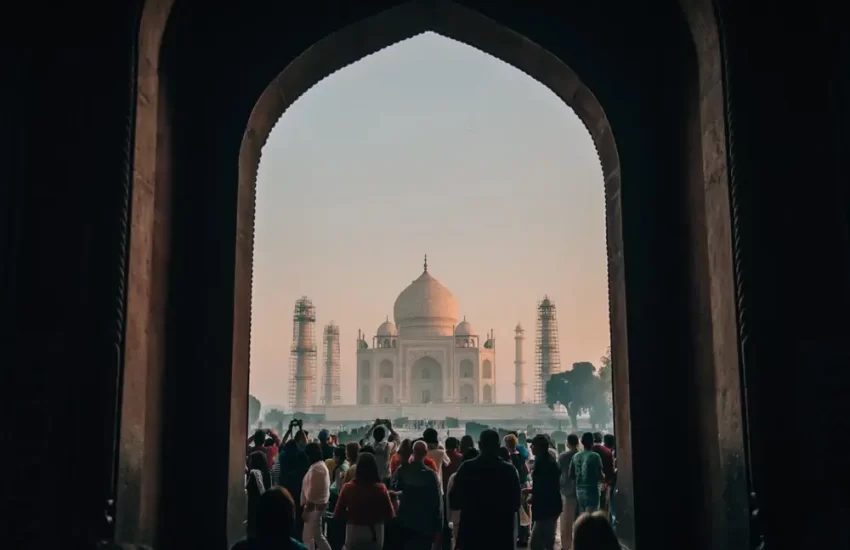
x,y
155,173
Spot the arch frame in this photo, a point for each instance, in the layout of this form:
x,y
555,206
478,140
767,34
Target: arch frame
x,y
144,369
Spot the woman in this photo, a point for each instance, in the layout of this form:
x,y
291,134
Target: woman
x,y
594,532
364,504
256,483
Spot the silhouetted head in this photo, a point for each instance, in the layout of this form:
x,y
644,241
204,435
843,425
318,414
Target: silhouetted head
x,y
313,452
258,461
339,454
367,469
609,441
466,443
323,436
379,433
420,451
540,445
587,440
572,441
470,454
488,442
275,515
597,437
259,438
511,441
405,450
594,532
452,443
431,437
300,438
351,451
504,454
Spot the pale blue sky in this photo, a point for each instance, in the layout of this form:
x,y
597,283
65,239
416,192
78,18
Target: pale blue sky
x,y
429,146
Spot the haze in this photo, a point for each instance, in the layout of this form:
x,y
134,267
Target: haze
x,y
429,146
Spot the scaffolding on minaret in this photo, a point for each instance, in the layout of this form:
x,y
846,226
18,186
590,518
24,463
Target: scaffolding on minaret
x,y
331,394
548,355
303,355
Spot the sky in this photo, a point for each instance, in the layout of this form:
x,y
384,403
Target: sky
x,y
428,147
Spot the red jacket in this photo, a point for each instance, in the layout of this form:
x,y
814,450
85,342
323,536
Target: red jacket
x,y
271,452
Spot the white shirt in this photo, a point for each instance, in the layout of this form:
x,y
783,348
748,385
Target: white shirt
x,y
454,515
316,487
441,459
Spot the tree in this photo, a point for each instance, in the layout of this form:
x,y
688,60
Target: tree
x,y
275,417
254,407
605,369
577,390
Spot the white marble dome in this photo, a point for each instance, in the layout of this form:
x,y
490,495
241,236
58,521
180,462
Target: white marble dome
x,y
387,328
425,308
464,328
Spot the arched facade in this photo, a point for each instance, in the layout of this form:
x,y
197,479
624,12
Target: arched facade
x,y
426,381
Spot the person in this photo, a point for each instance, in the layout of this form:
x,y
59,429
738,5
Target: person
x,y
611,444
365,507
519,462
420,512
568,491
315,494
384,446
435,453
454,515
545,495
466,442
586,470
352,451
486,491
327,447
405,455
594,532
257,481
266,441
275,518
607,469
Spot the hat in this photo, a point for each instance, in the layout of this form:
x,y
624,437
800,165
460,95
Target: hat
x,y
324,435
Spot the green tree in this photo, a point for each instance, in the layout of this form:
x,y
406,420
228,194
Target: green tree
x,y
254,407
274,418
576,389
605,369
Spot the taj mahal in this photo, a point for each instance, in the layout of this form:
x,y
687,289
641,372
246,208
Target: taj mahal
x,y
428,364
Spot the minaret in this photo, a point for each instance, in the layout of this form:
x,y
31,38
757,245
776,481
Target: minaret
x,y
519,364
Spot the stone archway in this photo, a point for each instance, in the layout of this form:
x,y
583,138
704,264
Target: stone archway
x,y
467,394
155,173
426,381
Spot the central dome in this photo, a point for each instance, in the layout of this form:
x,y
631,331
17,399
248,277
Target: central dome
x,y
425,308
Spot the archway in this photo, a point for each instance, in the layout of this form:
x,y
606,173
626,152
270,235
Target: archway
x,y
385,369
695,157
466,369
386,395
467,394
426,381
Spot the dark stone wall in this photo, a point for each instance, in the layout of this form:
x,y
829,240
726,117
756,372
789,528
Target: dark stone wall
x,y
67,123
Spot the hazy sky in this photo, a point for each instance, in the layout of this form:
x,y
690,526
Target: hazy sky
x,y
429,146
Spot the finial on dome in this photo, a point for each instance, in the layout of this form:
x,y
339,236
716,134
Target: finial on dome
x,y
388,318
426,263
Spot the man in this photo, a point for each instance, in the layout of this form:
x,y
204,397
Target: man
x,y
327,447
486,492
275,521
420,511
455,459
383,447
267,441
315,493
435,453
586,470
568,492
545,495
611,444
607,469
521,464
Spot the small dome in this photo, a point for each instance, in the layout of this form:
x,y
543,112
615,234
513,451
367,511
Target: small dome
x,y
519,328
387,328
464,329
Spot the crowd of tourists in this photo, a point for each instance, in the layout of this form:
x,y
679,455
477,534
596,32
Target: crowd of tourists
x,y
385,492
